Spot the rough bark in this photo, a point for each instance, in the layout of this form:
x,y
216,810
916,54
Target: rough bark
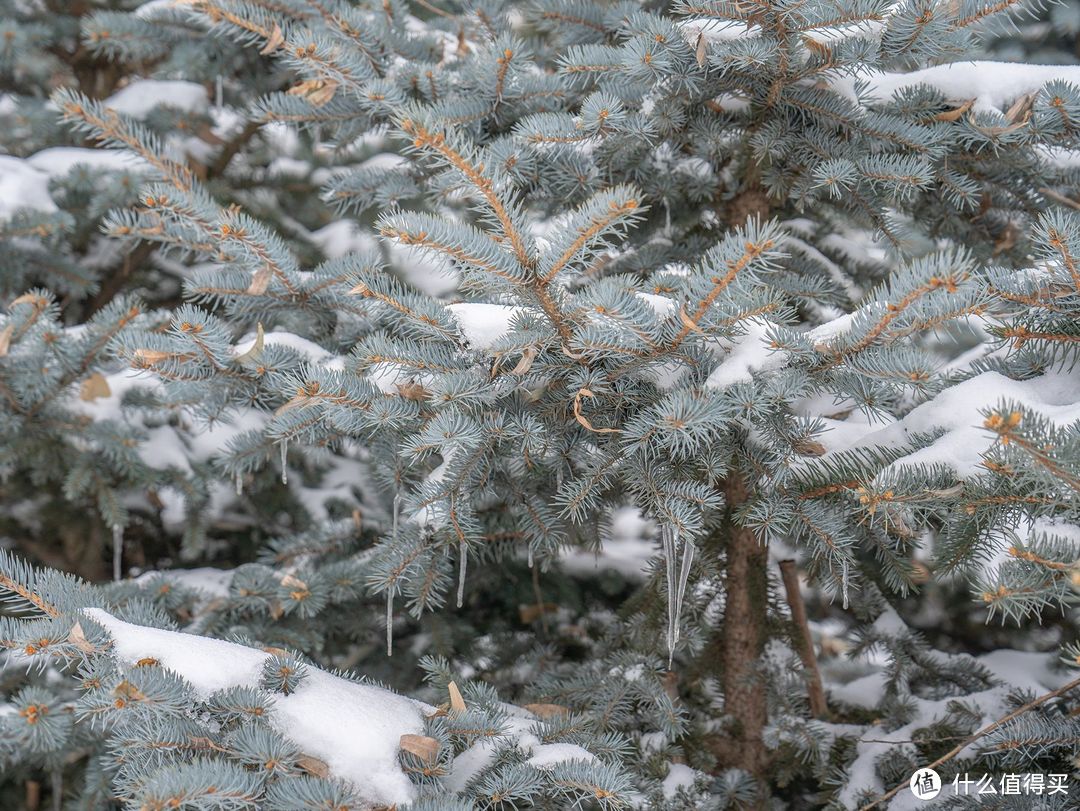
x,y
743,640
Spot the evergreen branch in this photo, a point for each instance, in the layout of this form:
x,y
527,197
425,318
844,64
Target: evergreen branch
x,y
982,733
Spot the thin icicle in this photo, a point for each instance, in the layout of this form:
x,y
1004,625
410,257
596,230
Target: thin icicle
x,y
219,92
117,551
684,576
667,535
239,483
530,557
284,445
461,574
844,581
390,621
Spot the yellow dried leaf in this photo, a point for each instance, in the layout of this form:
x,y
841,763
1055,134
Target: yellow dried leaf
x,y
94,387
425,748
312,765
277,36
260,280
526,362
547,710
457,701
77,637
956,113
256,348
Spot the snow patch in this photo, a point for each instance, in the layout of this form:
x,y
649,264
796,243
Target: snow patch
x,y
354,728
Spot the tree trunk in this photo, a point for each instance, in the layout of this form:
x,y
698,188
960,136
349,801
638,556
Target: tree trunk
x,y
743,640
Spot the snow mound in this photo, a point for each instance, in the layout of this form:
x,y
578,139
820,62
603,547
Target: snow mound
x,y
354,728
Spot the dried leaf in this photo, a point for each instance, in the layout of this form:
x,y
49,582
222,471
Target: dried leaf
x,y
425,748
534,611
584,422
1020,111
94,387
126,691
457,702
314,766
260,280
956,113
77,637
808,447
700,51
547,710
5,339
277,36
148,357
412,391
256,348
526,362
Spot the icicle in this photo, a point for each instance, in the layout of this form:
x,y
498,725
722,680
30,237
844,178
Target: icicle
x,y
530,557
117,551
219,94
461,574
844,581
390,621
667,535
684,576
284,445
239,483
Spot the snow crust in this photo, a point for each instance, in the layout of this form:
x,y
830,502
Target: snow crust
x,y
354,728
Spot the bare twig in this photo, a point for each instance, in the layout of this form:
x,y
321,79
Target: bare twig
x,y
804,642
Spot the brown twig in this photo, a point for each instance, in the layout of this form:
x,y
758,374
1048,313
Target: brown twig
x,y
804,643
982,733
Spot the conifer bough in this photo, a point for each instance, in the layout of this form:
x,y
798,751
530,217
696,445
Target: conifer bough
x,y
368,303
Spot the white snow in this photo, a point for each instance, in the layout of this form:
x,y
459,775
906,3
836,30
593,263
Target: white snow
x,y
57,161
679,776
991,85
22,186
211,582
142,96
484,324
956,410
353,728
747,354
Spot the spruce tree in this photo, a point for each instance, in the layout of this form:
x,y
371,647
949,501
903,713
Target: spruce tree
x,y
401,315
